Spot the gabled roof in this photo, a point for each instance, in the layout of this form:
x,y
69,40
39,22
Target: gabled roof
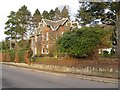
x,y
54,25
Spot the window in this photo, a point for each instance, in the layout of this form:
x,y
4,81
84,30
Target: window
x,y
47,46
43,25
47,36
42,50
47,52
62,33
66,24
35,50
43,37
35,38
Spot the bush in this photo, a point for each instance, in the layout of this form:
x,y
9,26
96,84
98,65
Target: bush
x,y
112,52
12,55
81,42
21,54
105,54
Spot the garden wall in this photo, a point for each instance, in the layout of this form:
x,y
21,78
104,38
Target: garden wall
x,y
102,67
20,56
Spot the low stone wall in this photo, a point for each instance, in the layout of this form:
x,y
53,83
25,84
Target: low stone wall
x,y
92,71
104,72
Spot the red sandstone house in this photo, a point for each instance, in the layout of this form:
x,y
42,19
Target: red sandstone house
x,y
45,36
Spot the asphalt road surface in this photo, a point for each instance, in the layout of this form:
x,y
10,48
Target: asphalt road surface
x,y
16,77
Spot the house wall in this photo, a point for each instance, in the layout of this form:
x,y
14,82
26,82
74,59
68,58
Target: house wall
x,y
33,44
52,37
45,43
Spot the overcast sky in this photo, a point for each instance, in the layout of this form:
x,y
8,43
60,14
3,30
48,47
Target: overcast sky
x,y
13,5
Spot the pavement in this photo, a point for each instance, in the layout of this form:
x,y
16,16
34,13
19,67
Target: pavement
x,y
82,77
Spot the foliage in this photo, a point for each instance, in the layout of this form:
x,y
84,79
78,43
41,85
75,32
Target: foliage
x,y
81,42
91,11
57,13
45,14
112,54
30,53
11,26
51,14
4,45
65,13
37,17
118,30
8,53
105,54
23,16
24,44
18,25
21,54
12,55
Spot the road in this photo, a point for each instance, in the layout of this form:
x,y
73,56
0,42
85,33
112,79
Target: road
x,y
16,77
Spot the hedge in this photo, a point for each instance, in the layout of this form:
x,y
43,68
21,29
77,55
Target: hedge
x,y
11,54
21,54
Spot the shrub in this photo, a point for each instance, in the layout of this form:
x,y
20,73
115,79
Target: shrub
x,y
21,54
12,55
105,54
30,53
112,52
81,42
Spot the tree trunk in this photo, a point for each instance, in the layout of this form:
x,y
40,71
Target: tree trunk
x,y
118,30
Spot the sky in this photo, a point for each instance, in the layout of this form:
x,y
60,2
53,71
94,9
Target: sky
x,y
13,5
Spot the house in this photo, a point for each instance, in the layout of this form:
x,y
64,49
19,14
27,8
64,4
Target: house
x,y
45,36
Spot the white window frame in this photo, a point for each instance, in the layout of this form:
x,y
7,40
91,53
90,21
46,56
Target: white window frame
x,y
66,24
62,33
35,51
43,24
47,46
47,51
43,50
43,37
47,36
35,38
